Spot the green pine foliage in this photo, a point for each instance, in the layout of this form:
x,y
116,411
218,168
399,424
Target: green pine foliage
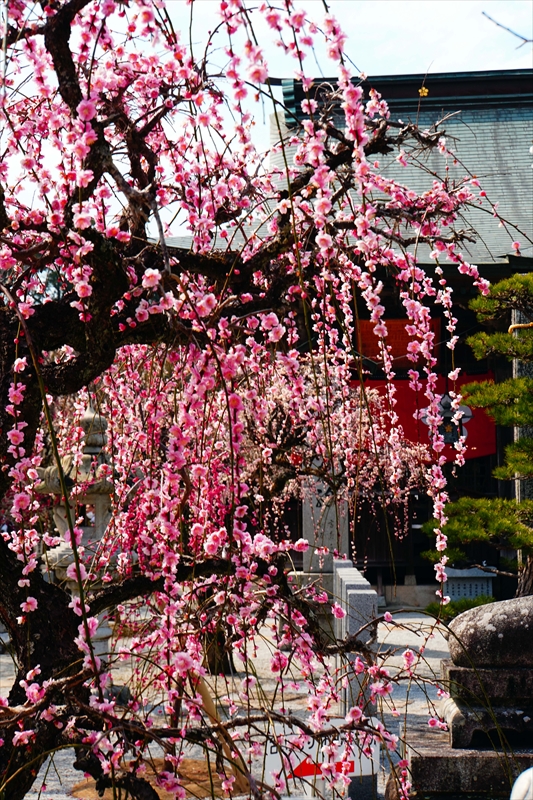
x,y
519,346
509,402
495,521
513,293
518,461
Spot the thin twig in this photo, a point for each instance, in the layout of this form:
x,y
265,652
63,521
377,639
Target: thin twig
x,y
162,241
505,28
495,571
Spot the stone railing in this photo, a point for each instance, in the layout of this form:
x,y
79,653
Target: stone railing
x,y
360,602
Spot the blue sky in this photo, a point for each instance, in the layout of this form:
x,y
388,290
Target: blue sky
x,y
385,37
401,36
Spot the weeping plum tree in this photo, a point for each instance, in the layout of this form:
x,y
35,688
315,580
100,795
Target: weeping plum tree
x,y
223,370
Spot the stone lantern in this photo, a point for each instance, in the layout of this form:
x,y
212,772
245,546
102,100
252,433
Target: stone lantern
x,y
93,504
489,711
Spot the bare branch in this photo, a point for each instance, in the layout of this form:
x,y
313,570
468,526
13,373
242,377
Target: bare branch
x,y
509,30
495,571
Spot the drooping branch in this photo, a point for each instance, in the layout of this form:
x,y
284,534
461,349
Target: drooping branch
x,y
136,787
141,585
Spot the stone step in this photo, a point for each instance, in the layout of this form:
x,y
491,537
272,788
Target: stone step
x,y
438,771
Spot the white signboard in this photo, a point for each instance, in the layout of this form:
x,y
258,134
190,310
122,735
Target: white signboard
x,y
307,759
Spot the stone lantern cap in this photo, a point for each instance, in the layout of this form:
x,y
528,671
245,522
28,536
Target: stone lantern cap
x,y
92,470
494,635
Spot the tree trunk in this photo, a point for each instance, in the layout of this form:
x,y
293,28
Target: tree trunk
x,y
525,579
44,638
218,655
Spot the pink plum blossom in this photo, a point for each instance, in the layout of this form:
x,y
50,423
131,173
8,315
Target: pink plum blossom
x,y
20,364
337,611
30,604
86,110
151,278
23,737
72,572
21,501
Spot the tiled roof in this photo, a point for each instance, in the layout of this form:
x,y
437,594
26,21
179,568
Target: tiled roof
x,y
493,145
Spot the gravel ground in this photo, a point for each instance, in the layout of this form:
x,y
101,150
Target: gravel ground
x,y
56,778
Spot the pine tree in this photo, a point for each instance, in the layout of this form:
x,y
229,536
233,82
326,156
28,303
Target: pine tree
x,y
504,523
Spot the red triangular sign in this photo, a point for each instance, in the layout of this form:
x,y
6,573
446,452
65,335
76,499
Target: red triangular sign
x,y
308,768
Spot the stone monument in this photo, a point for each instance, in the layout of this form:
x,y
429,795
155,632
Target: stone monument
x,y
360,602
325,524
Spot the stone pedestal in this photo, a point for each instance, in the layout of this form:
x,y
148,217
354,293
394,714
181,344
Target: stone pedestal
x,y
440,772
508,685
496,703
490,675
497,725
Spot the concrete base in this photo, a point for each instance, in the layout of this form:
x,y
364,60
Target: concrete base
x,y
363,787
410,596
438,771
